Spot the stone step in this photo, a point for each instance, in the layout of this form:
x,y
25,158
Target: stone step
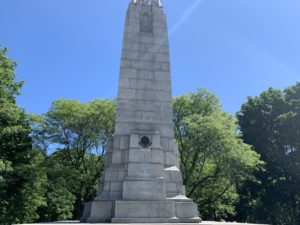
x,y
203,223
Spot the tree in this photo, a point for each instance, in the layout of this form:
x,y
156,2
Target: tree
x,y
79,132
21,177
214,159
59,190
270,122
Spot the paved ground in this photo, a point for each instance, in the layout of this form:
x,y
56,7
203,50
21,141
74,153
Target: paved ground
x,y
77,223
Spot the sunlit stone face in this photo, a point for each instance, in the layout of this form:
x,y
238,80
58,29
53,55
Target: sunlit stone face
x,y
142,182
148,2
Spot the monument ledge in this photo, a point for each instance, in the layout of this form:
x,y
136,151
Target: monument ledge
x,y
203,223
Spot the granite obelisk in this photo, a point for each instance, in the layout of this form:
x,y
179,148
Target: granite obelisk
x,y
142,182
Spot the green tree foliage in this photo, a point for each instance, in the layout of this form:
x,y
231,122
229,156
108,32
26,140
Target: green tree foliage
x,y
9,88
214,159
271,123
79,133
21,176
59,194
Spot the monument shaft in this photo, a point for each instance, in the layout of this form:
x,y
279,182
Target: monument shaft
x,y
142,181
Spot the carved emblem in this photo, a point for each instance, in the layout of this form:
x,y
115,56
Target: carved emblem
x,y
145,142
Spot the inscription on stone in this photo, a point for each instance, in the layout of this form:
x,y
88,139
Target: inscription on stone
x,y
144,155
146,23
142,116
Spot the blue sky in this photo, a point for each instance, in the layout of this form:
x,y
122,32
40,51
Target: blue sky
x,y
71,48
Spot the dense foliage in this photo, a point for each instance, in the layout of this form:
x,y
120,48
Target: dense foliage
x,y
49,164
271,123
22,178
214,159
76,134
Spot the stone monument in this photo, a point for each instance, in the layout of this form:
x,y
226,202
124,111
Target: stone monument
x,y
142,182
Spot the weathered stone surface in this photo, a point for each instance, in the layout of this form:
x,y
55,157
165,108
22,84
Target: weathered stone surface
x,y
144,190
165,223
141,181
145,209
100,211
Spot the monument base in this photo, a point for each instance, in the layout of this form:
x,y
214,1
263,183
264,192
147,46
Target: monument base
x,y
168,211
97,212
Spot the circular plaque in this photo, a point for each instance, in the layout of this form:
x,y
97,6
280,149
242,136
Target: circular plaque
x,y
145,142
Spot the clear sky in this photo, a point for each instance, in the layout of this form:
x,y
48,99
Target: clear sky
x,y
71,48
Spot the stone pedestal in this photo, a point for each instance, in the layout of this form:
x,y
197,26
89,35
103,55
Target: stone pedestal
x,y
146,189
142,182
